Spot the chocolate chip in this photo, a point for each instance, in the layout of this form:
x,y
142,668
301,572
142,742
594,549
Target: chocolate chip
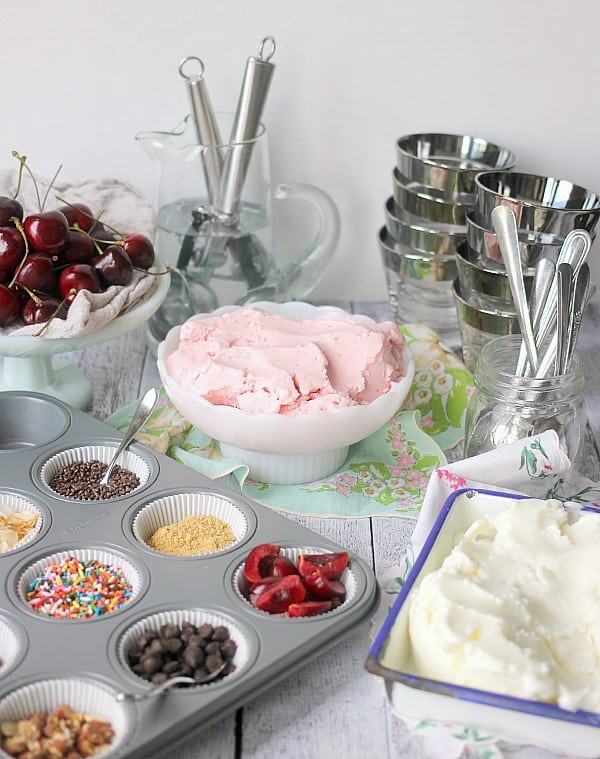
x,y
193,656
158,678
173,645
169,631
151,664
157,655
205,631
213,662
228,648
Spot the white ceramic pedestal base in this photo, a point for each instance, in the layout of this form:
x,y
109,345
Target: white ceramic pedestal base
x,y
36,374
288,468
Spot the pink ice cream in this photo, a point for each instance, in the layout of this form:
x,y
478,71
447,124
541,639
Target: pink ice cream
x,y
260,362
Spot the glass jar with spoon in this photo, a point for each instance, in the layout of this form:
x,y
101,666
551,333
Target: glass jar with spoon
x,y
506,407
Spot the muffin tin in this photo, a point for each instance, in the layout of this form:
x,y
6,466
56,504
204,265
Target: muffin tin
x,y
46,660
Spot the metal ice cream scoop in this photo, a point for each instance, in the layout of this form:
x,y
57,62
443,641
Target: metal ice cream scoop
x,y
145,408
168,684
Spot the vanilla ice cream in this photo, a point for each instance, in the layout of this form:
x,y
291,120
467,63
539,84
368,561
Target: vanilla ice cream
x,y
260,362
515,607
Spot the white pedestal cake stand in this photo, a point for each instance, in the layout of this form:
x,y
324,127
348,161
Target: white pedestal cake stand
x,y
27,361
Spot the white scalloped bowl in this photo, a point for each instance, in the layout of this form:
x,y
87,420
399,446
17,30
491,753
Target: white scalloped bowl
x,y
280,449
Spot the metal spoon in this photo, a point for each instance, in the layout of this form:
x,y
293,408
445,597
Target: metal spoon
x,y
505,227
581,294
145,408
574,251
168,684
542,284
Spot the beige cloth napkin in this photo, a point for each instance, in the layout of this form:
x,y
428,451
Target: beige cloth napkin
x,y
121,206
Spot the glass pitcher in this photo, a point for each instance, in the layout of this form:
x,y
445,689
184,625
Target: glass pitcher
x,y
222,259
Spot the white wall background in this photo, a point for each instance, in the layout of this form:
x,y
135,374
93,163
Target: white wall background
x,y
80,78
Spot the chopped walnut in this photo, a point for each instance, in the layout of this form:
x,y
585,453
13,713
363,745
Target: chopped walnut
x,y
63,734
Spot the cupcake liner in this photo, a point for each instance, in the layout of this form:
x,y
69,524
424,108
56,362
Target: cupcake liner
x,y
174,508
348,579
131,573
104,453
11,647
83,696
11,503
242,658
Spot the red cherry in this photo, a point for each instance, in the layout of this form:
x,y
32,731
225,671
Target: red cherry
x,y
309,608
40,311
10,306
78,214
113,266
79,249
37,273
47,232
9,207
322,588
278,596
259,561
140,250
77,277
331,564
12,252
103,235
283,566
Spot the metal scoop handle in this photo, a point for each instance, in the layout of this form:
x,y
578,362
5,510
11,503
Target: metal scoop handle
x,y
141,414
168,684
251,103
207,129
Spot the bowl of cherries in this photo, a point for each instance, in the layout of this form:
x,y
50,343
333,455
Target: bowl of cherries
x,y
47,258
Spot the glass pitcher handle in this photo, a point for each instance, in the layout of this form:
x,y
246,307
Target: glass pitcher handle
x,y
301,276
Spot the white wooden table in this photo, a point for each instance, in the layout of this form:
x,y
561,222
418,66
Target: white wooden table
x,y
332,706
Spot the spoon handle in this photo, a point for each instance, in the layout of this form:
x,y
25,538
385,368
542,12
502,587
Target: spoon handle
x,y
574,250
581,295
542,284
145,408
505,226
563,315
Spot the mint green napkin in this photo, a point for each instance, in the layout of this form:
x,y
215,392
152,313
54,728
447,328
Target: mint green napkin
x,y
385,475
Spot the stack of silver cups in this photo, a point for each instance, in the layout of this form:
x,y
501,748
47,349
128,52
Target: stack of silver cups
x,y
546,210
425,223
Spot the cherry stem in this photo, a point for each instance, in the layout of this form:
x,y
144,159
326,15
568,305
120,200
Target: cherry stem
x,y
31,293
72,291
17,222
90,216
168,270
21,160
50,186
35,184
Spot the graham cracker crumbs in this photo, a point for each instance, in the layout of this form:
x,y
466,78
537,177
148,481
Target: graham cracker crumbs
x,y
192,535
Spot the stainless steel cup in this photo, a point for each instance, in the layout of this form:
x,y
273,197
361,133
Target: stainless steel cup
x,y
478,325
532,246
419,201
542,205
449,162
487,287
419,286
416,234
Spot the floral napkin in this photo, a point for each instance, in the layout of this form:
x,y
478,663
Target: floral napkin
x,y
534,466
386,474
